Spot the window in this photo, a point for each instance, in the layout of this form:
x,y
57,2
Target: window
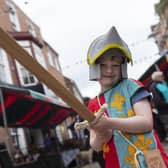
x,y
39,56
50,58
27,77
13,16
31,29
2,72
53,59
14,134
26,45
57,64
4,67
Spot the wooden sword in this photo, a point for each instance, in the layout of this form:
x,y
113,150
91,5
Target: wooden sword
x,y
8,43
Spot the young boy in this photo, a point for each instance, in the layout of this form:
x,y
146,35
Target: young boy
x,y
125,132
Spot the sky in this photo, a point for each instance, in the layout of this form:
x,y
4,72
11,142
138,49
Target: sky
x,y
70,26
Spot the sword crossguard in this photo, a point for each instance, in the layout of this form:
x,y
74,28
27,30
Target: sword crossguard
x,y
85,124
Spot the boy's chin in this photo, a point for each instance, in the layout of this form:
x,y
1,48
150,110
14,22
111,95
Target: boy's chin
x,y
106,87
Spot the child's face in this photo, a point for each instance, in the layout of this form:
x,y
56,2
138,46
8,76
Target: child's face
x,y
110,71
160,78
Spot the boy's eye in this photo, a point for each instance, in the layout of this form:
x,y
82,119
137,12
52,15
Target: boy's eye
x,y
115,65
112,65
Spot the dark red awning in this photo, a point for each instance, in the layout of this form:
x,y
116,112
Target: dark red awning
x,y
27,108
162,64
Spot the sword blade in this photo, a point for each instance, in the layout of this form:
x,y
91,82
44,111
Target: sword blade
x,y
17,52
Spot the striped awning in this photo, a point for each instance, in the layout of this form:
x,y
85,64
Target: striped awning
x,y
27,108
160,64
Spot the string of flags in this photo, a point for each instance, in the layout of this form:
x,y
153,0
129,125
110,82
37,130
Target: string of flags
x,y
135,61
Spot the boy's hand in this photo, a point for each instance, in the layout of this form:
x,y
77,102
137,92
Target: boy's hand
x,y
99,138
103,135
101,125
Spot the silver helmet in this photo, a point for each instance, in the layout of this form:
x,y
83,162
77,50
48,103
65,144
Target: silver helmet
x,y
110,40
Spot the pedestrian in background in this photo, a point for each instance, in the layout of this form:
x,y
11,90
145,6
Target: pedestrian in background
x,y
159,92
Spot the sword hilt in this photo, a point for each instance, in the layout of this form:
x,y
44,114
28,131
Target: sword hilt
x,y
85,124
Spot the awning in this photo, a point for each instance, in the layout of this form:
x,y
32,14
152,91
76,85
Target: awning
x,y
161,64
27,108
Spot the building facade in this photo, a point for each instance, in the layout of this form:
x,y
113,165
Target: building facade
x,y
159,31
28,35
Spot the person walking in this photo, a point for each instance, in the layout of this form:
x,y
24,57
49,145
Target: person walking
x,y
159,92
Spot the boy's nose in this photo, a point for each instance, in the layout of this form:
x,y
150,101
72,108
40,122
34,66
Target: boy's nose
x,y
109,69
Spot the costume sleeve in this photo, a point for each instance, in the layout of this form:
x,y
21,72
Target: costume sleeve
x,y
141,94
